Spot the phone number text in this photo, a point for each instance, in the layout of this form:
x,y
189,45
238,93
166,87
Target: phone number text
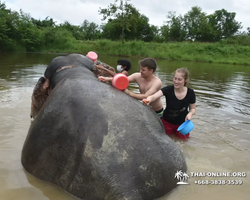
x,y
218,182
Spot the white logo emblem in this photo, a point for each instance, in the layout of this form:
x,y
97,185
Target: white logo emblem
x,y
182,177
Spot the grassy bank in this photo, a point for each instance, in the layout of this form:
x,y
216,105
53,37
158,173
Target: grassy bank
x,y
190,51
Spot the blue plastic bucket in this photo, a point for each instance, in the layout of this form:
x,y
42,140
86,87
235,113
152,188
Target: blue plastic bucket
x,y
186,127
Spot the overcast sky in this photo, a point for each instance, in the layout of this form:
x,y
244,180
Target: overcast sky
x,y
76,11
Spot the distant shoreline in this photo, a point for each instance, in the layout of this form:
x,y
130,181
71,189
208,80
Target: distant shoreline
x,y
181,51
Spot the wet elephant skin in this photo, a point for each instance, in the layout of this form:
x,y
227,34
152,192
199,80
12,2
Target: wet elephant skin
x,y
97,143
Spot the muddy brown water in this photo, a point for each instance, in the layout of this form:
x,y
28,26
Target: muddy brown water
x,y
219,143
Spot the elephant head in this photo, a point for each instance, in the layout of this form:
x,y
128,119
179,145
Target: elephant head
x,y
44,87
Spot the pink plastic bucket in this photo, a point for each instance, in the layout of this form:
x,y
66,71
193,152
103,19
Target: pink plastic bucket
x,y
92,55
120,81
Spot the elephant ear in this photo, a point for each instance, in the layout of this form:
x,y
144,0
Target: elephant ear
x,y
39,96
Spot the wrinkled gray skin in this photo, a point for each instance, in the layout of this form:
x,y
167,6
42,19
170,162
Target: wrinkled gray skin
x,y
96,142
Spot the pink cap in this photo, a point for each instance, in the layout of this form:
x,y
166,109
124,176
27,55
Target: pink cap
x,y
92,55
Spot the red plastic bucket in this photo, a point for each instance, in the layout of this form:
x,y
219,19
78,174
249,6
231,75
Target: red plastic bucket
x,y
120,81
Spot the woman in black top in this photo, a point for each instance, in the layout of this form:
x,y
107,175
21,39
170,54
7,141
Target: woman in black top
x,y
180,103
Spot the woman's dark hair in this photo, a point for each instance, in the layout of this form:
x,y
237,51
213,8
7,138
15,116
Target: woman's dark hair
x,y
125,63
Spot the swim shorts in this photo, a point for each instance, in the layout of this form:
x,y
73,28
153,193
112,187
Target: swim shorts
x,y
160,112
172,129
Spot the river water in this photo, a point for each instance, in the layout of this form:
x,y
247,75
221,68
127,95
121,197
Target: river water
x,y
219,143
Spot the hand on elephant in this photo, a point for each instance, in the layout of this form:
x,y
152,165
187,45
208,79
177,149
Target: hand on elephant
x,y
100,67
104,79
127,91
145,101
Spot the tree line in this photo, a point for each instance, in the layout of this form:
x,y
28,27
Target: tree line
x,y
122,21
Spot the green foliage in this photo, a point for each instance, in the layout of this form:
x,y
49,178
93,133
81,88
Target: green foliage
x,y
29,35
241,39
58,38
43,23
31,38
126,23
226,23
187,51
118,13
128,32
89,31
174,29
198,26
6,42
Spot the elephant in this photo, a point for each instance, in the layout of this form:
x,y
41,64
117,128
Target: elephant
x,y
42,89
95,141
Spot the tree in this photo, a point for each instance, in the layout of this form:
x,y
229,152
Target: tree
x,y
144,30
30,36
5,41
197,26
44,23
128,24
156,31
111,30
174,29
8,28
89,30
120,12
224,24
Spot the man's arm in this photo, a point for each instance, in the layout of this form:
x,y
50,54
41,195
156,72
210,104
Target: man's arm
x,y
104,78
132,78
107,70
152,98
155,87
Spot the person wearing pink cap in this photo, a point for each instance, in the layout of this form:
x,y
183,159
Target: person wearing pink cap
x,y
92,55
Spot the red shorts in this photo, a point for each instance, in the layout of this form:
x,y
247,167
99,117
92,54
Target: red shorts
x,y
172,129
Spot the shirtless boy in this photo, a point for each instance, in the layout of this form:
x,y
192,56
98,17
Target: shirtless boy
x,y
148,83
